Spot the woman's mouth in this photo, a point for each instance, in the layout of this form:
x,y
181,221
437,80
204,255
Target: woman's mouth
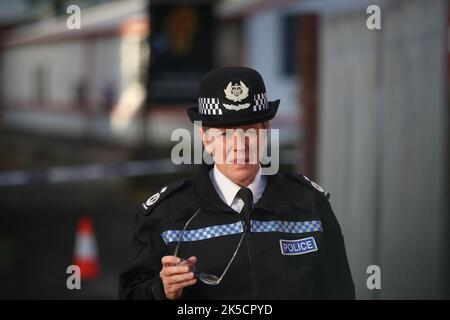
x,y
241,161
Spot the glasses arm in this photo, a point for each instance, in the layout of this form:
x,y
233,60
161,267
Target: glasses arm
x,y
182,233
232,258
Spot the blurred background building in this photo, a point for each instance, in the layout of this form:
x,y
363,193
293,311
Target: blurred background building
x,y
78,82
86,117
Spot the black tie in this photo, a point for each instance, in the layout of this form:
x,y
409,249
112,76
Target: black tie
x,y
247,196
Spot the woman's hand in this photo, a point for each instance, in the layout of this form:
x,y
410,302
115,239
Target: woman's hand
x,y
175,277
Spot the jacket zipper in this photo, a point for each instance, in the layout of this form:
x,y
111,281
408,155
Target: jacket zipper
x,y
248,237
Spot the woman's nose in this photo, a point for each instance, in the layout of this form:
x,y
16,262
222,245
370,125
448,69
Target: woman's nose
x,y
239,141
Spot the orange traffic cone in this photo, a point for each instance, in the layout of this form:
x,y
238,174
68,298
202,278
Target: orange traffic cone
x,y
86,250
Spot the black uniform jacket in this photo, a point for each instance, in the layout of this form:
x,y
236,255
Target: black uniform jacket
x,y
268,264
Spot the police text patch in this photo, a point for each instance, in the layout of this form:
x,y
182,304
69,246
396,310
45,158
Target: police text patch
x,y
300,246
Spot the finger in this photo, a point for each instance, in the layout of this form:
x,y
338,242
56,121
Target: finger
x,y
171,291
180,278
170,260
184,284
170,271
192,260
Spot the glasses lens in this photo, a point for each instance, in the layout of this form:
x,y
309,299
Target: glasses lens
x,y
208,278
187,263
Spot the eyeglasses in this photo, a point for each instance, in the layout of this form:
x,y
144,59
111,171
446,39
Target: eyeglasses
x,y
206,278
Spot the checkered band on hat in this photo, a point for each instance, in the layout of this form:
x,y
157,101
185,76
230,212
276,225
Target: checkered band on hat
x,y
260,102
286,226
209,106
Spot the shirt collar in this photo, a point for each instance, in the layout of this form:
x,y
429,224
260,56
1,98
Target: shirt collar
x,y
205,192
227,189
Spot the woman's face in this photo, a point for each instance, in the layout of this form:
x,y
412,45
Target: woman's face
x,y
236,151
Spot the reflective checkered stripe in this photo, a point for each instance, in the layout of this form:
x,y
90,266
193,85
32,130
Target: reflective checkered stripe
x,y
235,228
209,106
260,102
203,233
286,226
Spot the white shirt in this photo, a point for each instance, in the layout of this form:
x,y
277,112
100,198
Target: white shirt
x,y
228,190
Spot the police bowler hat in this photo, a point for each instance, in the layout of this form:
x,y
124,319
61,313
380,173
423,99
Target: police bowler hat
x,y
232,96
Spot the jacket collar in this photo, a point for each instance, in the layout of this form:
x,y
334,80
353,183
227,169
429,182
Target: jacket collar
x,y
205,193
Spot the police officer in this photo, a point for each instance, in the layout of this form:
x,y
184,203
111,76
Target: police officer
x,y
232,232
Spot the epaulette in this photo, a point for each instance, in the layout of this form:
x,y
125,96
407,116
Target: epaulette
x,y
312,185
155,199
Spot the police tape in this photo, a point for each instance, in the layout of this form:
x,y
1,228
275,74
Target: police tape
x,y
90,172
107,171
